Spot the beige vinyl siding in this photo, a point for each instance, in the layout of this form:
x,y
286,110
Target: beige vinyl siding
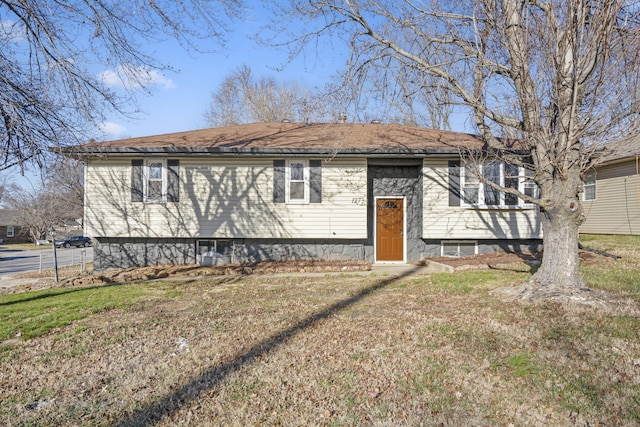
x,y
441,221
616,209
227,198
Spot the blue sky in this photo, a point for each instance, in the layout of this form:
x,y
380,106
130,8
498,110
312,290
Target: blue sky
x,y
179,99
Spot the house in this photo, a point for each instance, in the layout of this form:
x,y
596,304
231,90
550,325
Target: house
x,y
10,231
376,192
611,197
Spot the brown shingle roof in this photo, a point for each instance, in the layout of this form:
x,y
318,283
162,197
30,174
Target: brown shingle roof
x,y
9,217
624,149
294,137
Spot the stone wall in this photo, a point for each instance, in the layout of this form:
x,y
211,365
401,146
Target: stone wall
x,y
253,250
124,253
136,252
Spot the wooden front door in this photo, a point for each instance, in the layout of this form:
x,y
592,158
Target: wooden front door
x,y
389,230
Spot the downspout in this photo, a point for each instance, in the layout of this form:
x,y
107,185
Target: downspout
x,y
637,176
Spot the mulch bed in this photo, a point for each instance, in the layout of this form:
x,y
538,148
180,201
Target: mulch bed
x,y
73,279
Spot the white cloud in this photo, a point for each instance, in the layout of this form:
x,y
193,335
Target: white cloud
x,y
110,78
111,128
131,77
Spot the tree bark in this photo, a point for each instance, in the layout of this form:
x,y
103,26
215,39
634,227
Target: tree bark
x,y
560,260
558,277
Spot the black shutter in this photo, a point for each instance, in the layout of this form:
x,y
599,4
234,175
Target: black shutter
x,y
454,183
315,178
173,180
278,181
136,181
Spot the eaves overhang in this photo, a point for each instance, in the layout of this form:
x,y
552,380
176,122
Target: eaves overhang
x,y
97,152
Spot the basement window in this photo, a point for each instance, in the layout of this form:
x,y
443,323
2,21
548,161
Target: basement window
x,y
459,248
215,252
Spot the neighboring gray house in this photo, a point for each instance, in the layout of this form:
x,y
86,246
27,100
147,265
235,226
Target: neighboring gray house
x,y
10,231
376,192
611,197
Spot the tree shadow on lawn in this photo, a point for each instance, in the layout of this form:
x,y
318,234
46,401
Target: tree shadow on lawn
x,y
209,379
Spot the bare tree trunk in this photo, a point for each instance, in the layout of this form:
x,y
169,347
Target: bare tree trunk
x,y
558,277
561,260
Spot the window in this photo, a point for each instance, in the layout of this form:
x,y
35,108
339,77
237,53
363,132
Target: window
x,y
530,188
155,181
297,181
474,192
389,205
458,249
10,231
589,192
215,252
471,186
512,180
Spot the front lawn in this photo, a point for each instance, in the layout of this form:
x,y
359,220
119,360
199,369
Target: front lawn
x,y
352,349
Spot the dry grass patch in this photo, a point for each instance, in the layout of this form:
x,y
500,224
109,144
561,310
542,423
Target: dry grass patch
x,y
330,350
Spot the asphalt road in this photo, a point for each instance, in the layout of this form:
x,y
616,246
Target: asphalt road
x,y
12,262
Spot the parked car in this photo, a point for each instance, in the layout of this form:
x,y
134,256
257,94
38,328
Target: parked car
x,y
77,241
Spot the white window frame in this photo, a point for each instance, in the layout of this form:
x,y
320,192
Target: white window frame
x,y
590,176
458,242
305,180
146,177
469,181
11,231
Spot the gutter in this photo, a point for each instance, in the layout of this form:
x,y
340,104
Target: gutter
x,y
86,152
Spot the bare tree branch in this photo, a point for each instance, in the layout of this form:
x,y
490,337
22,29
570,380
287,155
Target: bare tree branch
x,y
49,97
241,98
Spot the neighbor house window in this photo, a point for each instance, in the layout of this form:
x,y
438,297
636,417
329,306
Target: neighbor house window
x,y
589,186
475,192
10,231
155,180
297,180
